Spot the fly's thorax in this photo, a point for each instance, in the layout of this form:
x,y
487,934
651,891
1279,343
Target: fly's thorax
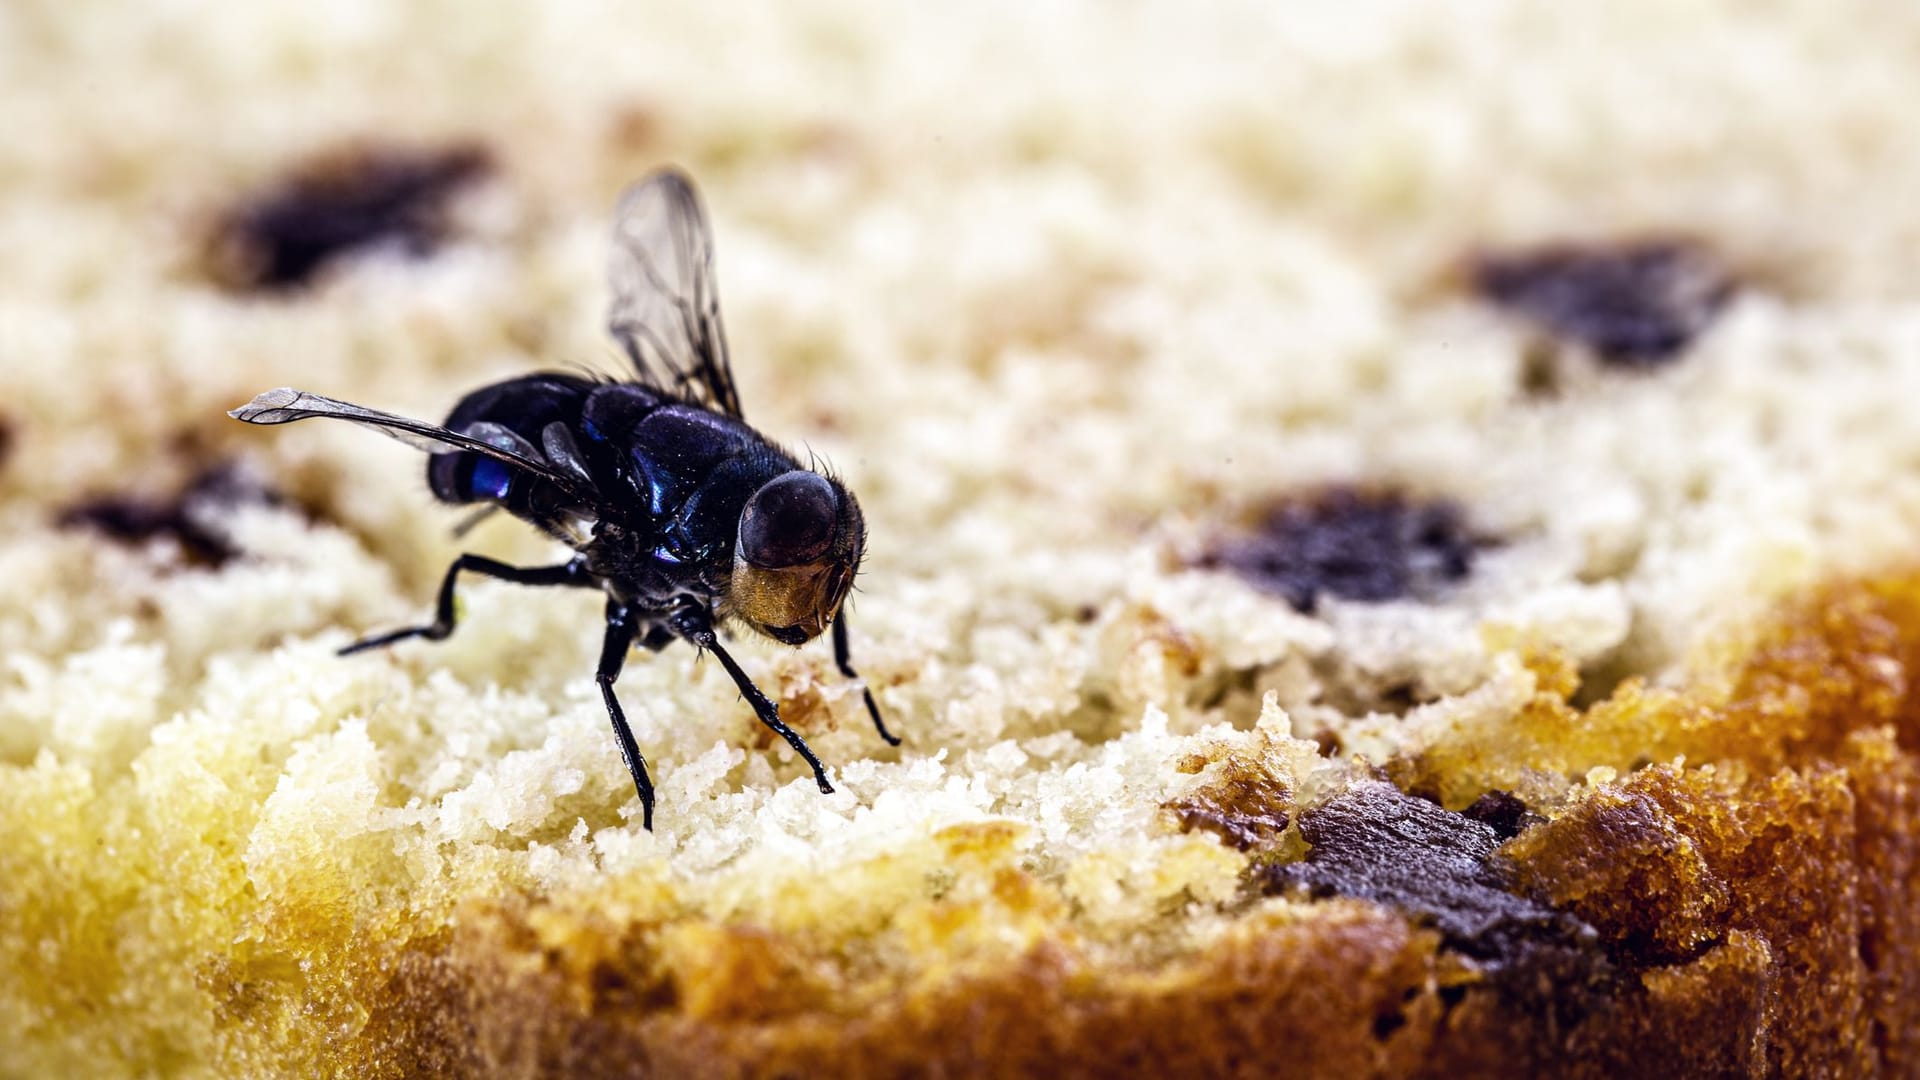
x,y
798,545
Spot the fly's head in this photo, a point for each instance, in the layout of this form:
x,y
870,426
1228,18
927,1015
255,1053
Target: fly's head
x,y
800,540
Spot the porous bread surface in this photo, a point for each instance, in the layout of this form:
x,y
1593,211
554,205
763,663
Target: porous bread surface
x,y
1065,293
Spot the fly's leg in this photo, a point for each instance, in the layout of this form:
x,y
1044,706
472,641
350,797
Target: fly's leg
x,y
696,626
567,573
621,625
844,660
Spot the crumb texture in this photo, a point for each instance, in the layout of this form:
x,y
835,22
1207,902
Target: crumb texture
x,y
1392,546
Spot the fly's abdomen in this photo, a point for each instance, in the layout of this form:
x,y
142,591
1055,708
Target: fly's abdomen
x,y
513,415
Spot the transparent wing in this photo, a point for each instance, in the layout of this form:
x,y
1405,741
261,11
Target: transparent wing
x,y
285,405
665,311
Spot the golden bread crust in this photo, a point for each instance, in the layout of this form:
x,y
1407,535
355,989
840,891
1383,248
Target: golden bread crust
x,y
1757,914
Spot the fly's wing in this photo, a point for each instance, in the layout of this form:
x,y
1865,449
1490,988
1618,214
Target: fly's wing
x,y
665,311
285,405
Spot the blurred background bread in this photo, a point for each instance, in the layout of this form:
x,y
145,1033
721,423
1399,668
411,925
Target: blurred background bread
x,y
1391,543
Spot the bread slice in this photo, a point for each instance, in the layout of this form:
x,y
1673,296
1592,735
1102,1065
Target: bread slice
x,y
1392,546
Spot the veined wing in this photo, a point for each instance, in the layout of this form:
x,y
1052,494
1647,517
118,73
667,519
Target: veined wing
x,y
665,311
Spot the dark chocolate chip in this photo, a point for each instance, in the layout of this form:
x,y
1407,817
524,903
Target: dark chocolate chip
x,y
1387,1023
340,203
1503,812
190,518
1636,305
1374,842
1355,545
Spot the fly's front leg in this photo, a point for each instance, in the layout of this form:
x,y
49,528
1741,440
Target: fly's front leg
x,y
844,660
621,626
696,626
572,572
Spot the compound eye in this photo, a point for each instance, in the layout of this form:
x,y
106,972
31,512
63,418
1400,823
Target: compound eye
x,y
789,521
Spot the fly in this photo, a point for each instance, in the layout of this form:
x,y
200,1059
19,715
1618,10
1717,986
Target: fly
x,y
675,507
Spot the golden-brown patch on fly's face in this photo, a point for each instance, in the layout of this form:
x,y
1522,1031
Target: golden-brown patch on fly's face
x,y
798,546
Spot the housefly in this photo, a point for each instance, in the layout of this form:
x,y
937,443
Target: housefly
x,y
675,507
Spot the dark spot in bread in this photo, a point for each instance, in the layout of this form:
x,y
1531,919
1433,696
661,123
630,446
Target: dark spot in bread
x,y
190,517
339,203
1400,697
1635,305
6,440
1503,812
1367,546
1375,842
1539,370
